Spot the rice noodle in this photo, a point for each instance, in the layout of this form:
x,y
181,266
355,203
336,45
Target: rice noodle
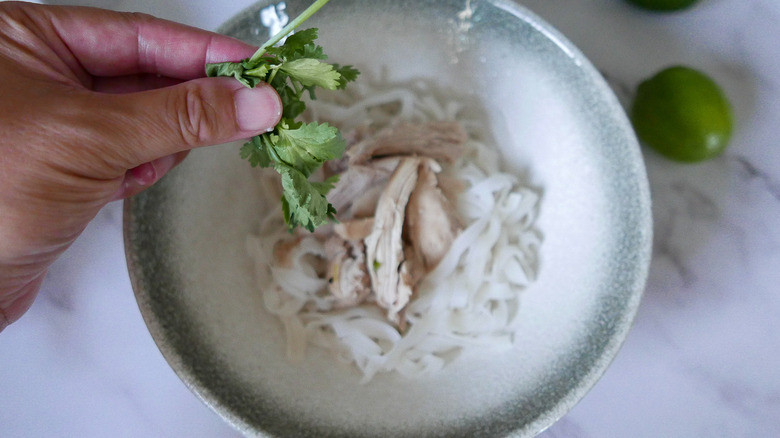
x,y
472,296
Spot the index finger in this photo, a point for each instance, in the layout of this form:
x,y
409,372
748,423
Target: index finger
x,y
109,43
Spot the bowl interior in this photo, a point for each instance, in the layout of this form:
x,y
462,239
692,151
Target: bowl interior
x,y
557,125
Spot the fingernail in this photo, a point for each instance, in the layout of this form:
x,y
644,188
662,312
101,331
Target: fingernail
x,y
257,109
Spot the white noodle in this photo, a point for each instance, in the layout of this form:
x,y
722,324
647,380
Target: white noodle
x,y
470,299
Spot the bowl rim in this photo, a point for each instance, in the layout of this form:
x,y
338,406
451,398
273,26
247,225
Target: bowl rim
x,y
622,327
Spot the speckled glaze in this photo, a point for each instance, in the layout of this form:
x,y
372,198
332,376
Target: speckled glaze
x,y
557,124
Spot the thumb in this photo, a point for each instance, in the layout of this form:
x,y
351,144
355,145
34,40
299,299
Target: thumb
x,y
168,121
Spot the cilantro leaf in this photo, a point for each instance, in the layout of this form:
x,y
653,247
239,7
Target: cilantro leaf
x,y
348,74
257,71
234,69
314,52
312,72
291,107
295,149
308,146
295,43
304,202
256,152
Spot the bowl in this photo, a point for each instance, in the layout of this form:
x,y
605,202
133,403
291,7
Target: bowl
x,y
559,129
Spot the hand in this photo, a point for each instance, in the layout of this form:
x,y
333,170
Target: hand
x,y
96,106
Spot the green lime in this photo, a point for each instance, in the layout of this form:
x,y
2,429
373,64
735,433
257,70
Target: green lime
x,y
663,5
683,114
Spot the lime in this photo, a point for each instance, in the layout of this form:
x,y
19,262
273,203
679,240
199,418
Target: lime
x,y
683,114
663,5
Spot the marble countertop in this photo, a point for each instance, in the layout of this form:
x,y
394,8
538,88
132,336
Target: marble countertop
x,y
702,360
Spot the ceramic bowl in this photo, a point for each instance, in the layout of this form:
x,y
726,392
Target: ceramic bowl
x,y
557,124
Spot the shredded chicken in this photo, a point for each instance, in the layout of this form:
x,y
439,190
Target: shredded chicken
x,y
283,251
384,246
348,279
431,221
442,141
397,220
356,229
357,180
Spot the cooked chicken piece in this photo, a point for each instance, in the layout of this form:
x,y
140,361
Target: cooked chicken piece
x,y
352,183
384,246
339,165
439,140
348,279
450,186
365,204
386,164
356,229
283,251
358,180
396,220
353,136
431,221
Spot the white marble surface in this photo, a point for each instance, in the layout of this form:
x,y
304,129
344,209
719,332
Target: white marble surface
x,y
703,359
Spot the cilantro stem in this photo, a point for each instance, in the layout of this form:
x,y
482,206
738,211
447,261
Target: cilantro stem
x,y
291,26
269,147
298,90
271,77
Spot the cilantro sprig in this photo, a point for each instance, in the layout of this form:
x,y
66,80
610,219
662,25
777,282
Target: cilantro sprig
x,y
293,148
